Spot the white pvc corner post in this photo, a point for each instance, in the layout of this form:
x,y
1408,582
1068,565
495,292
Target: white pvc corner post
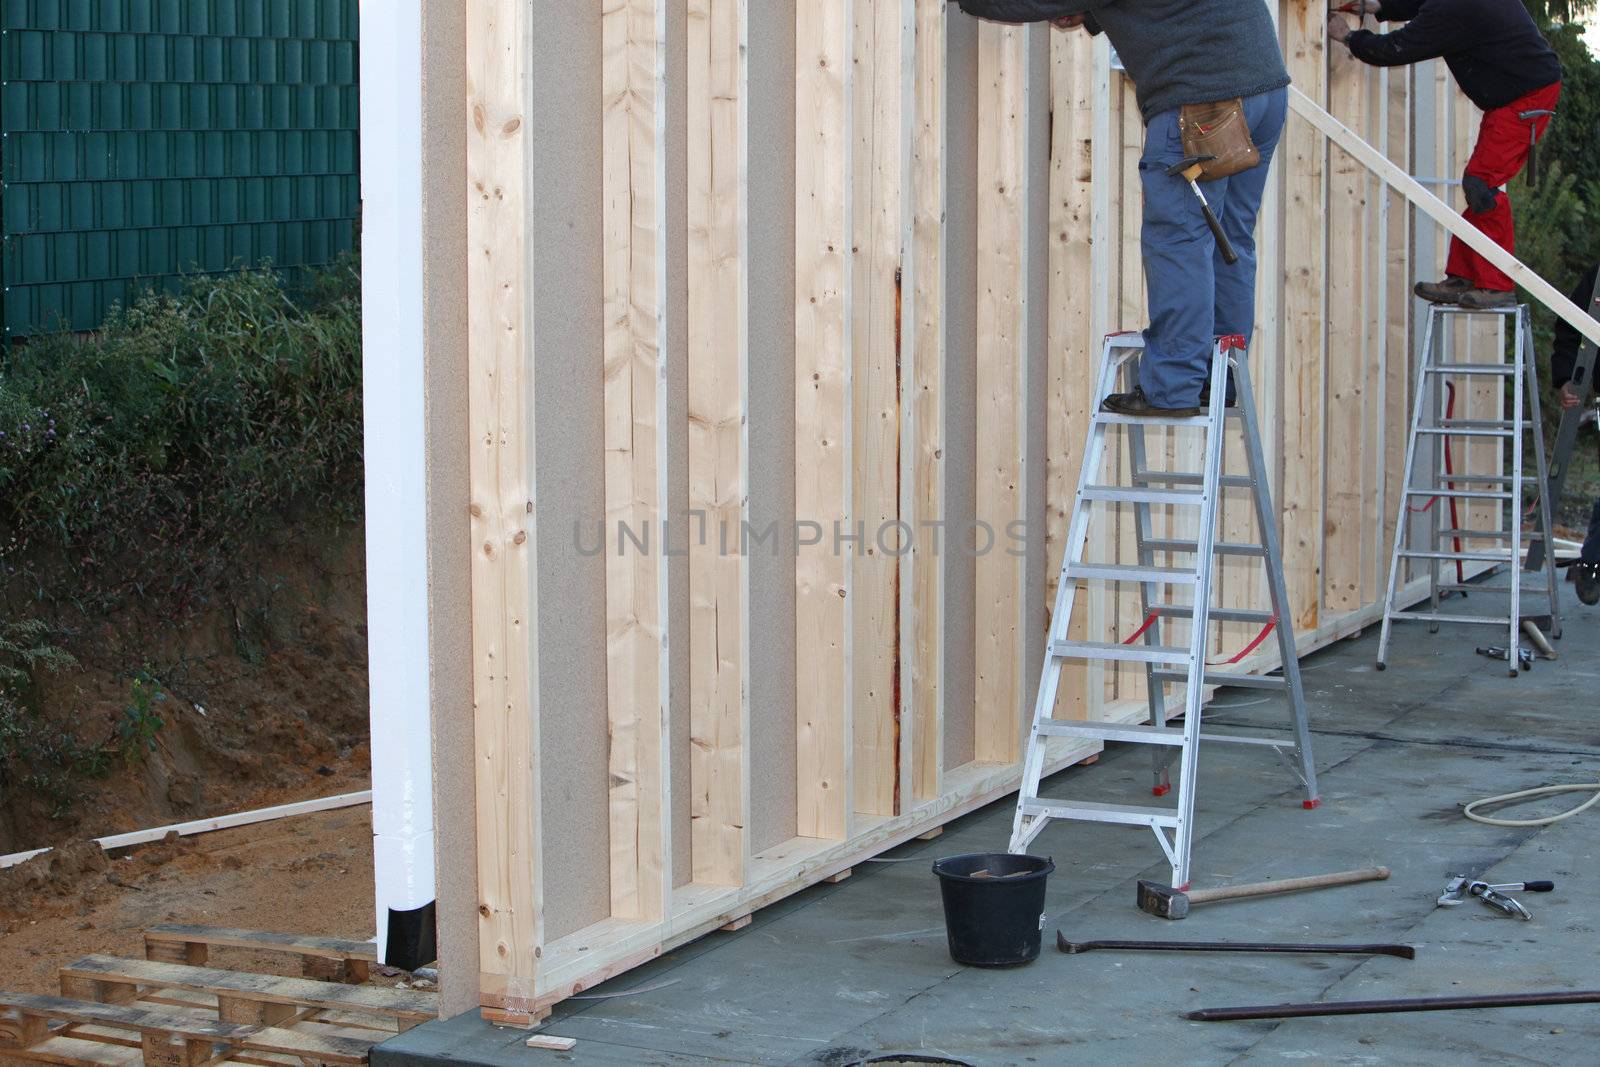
x,y
393,369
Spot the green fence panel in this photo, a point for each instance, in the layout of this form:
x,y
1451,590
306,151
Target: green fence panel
x,y
143,141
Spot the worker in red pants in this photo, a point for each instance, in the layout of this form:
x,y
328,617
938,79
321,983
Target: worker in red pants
x,y
1506,67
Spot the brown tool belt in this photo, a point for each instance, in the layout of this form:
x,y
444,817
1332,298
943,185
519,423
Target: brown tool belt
x,y
1219,130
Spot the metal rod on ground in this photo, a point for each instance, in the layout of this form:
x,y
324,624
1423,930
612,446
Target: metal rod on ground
x,y
1072,948
1377,1007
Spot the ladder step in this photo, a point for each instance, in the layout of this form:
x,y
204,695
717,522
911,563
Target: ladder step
x,y
1222,548
1219,678
1498,369
1509,311
1105,418
1435,616
1474,494
1468,557
1479,479
1103,572
1230,481
1128,814
1500,534
1123,495
1185,611
1112,650
1430,432
1145,735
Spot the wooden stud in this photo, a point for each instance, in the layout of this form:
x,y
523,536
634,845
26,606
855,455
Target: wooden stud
x,y
1397,336
1116,523
633,130
880,170
718,360
1343,448
823,460
923,682
1104,260
1002,395
500,388
1072,349
1304,313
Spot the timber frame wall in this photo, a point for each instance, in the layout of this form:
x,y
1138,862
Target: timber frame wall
x,y
773,275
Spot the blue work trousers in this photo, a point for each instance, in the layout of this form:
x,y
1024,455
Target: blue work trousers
x,y
1591,544
1194,296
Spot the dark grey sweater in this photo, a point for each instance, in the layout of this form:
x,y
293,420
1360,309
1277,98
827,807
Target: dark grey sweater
x,y
1176,51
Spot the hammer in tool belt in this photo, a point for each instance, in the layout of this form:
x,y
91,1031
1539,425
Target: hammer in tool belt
x,y
1171,903
1189,169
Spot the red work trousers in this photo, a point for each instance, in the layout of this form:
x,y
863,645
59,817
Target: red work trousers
x,y
1501,151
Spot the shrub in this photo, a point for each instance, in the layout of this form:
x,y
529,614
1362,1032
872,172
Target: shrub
x,y
140,464
143,457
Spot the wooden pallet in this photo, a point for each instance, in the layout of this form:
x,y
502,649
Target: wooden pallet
x,y
330,959
121,1013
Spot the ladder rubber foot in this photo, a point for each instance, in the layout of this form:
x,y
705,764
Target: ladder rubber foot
x,y
1511,674
1382,666
1313,803
1161,790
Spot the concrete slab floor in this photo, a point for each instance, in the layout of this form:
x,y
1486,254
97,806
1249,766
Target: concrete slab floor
x,y
840,973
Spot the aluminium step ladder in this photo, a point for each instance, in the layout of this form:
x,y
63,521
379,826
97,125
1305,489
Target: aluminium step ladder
x,y
1433,421
1571,420
1164,665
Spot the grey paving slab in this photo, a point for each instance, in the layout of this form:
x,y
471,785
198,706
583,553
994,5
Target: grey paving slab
x,y
839,973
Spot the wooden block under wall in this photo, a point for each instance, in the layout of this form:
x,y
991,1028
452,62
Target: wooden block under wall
x,y
738,924
836,878
523,1020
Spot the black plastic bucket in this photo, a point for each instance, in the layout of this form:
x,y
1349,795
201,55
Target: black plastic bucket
x,y
993,906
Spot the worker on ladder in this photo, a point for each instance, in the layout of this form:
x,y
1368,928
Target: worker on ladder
x,y
1506,67
1563,358
1206,72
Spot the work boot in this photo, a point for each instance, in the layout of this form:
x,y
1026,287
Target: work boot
x,y
1486,299
1446,292
1138,405
1586,579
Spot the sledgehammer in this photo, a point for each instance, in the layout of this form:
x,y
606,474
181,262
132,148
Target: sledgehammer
x,y
1170,903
